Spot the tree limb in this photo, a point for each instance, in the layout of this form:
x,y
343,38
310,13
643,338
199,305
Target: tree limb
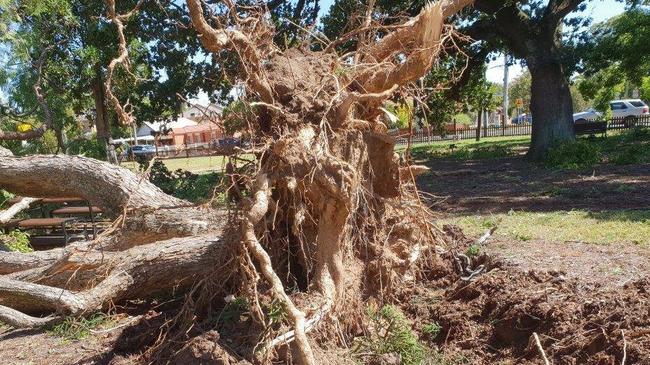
x,y
216,40
105,185
123,116
8,214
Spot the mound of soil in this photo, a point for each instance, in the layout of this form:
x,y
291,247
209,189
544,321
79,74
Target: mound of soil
x,y
580,319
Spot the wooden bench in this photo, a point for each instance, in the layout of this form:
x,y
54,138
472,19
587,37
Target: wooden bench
x,y
71,199
590,128
77,211
44,223
87,211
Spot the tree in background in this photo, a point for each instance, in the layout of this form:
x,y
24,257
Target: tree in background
x,y
531,31
77,46
617,59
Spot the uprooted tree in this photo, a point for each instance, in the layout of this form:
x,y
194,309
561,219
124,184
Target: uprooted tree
x,y
331,211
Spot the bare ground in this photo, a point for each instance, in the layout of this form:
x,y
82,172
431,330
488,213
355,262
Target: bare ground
x,y
501,185
588,303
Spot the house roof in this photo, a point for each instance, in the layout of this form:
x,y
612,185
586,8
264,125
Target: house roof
x,y
203,127
157,126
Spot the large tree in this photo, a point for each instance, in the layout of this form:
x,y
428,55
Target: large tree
x,y
74,42
616,58
331,216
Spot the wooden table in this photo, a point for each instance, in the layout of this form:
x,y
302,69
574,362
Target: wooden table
x,y
71,199
41,223
87,211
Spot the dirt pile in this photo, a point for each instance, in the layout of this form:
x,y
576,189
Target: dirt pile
x,y
492,318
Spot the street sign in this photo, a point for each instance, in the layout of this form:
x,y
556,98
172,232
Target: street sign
x,y
519,103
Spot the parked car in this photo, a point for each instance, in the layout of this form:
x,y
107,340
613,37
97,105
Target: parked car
x,y
588,115
523,118
142,150
628,111
229,142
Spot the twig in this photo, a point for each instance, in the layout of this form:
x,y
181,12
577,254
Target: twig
x,y
540,349
486,236
624,348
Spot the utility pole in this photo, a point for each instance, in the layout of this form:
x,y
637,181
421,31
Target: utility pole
x,y
505,88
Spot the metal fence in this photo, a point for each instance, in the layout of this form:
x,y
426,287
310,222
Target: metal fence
x,y
461,132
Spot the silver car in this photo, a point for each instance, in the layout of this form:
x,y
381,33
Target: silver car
x,y
626,111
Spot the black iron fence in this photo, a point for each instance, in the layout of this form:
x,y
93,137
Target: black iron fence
x,y
462,132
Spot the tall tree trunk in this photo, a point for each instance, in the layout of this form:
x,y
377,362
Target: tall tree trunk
x,y
101,116
101,119
551,106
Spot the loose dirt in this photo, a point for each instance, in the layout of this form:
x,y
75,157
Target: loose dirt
x,y
583,312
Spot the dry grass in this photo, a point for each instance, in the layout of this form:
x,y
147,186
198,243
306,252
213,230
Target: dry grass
x,y
197,165
622,226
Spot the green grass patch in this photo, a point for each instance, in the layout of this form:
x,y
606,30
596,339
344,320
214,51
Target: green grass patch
x,y
494,147
622,226
626,147
197,165
74,329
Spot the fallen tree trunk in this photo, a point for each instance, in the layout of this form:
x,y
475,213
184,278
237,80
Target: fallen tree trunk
x,y
105,185
140,272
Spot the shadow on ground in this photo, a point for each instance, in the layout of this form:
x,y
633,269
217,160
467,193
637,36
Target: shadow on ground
x,y
501,185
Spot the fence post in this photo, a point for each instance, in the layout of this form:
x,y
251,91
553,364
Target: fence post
x,y
485,125
478,125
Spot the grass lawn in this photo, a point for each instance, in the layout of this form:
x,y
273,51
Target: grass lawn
x,y
622,226
196,165
492,147
595,191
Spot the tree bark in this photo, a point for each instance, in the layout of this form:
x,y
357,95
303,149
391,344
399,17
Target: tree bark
x,y
108,186
101,118
551,106
140,272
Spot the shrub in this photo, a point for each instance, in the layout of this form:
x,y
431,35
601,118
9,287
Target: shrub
x,y
473,251
633,154
574,155
16,241
391,334
636,134
183,184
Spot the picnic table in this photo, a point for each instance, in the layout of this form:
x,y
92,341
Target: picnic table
x,y
45,223
59,225
86,211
